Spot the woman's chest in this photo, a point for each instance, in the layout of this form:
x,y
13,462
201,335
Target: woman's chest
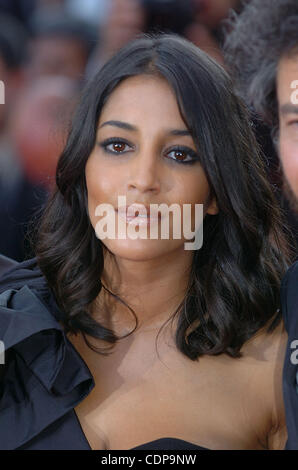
x,y
139,397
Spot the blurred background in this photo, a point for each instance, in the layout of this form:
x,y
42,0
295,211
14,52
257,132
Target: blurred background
x,y
48,49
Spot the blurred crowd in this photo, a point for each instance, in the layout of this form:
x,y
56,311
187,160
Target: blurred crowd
x,y
48,49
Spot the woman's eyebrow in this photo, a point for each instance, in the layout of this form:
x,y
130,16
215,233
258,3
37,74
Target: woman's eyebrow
x,y
130,127
179,132
121,124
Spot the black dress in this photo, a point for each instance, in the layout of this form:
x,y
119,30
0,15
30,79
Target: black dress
x,y
43,377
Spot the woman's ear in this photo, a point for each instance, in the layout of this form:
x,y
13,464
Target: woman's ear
x,y
212,207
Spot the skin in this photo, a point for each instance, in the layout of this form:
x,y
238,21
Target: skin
x,y
218,408
288,124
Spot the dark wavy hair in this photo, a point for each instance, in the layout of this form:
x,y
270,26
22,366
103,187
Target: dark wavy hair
x,y
255,41
234,283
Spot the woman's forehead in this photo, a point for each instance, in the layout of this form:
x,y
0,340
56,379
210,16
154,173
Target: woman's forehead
x,y
141,98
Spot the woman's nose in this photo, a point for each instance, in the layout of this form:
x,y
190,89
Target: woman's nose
x,y
145,172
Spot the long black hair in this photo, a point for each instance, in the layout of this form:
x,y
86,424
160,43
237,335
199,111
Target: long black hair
x,y
233,288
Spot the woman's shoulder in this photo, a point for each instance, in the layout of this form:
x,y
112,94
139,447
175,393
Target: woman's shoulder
x,y
266,349
264,359
277,352
43,376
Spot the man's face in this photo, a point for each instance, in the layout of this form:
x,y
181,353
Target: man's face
x,y
287,95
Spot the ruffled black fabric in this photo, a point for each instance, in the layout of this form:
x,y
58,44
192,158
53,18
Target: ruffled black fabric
x,y
289,304
44,376
28,273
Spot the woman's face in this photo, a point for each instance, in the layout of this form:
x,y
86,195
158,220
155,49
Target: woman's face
x,y
141,162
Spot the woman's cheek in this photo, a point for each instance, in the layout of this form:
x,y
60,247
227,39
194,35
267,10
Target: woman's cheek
x,y
102,187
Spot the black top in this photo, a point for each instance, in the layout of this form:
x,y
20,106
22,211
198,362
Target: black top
x,y
44,376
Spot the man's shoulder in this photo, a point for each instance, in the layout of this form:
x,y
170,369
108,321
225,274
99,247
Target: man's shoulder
x,y
289,297
291,273
289,307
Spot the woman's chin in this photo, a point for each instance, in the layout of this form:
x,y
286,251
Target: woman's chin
x,y
141,249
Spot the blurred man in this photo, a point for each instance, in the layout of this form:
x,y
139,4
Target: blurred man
x,y
13,39
37,127
206,28
262,56
60,45
39,124
18,197
262,53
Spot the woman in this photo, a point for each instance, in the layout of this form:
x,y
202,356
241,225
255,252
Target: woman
x,y
159,123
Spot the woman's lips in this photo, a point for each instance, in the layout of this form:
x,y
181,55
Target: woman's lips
x,y
143,216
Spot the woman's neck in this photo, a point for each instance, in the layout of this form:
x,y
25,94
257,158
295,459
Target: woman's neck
x,y
152,288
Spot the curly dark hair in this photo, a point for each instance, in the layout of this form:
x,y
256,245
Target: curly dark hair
x,y
255,41
235,278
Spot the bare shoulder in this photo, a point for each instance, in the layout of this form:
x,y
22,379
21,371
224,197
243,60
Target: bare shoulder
x,y
269,348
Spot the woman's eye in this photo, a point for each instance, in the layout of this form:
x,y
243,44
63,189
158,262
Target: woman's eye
x,y
118,147
114,146
181,155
